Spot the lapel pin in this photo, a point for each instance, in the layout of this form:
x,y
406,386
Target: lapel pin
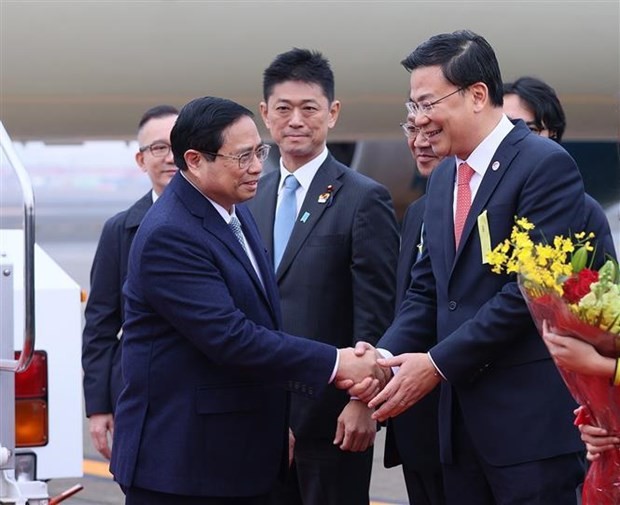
x,y
305,217
495,166
323,197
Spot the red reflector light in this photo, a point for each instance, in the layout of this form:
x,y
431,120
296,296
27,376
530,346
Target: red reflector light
x,y
32,383
30,423
31,416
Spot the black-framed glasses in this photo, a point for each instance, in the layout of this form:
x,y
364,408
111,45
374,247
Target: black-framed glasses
x,y
245,159
411,131
157,149
426,108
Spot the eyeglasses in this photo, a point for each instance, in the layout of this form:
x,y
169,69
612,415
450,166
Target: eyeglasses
x,y
411,131
158,149
426,108
245,159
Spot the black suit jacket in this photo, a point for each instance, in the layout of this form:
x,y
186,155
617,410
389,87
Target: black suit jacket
x,y
496,364
412,437
101,349
337,275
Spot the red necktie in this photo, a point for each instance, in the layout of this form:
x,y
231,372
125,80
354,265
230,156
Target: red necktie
x,y
463,199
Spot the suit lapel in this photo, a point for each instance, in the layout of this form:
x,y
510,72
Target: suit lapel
x,y
311,210
499,165
264,262
213,223
138,210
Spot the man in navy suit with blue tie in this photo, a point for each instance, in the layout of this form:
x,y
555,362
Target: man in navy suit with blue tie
x,y
505,416
203,415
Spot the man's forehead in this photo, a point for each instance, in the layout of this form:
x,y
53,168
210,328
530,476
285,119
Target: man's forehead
x,y
297,91
426,82
156,127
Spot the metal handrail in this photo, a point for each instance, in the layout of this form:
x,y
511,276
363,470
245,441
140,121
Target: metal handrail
x,y
25,357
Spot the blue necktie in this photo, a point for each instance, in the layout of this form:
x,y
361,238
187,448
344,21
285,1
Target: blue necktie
x,y
235,226
285,218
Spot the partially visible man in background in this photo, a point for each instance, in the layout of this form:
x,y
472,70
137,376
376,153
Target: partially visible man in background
x,y
537,103
101,349
412,438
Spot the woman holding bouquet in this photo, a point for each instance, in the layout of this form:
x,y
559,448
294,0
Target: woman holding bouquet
x,y
537,103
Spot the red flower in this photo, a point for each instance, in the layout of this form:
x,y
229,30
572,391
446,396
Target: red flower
x,y
578,286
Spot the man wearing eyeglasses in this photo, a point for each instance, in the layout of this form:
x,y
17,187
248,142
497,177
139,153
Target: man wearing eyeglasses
x,y
412,439
505,417
101,349
335,267
202,417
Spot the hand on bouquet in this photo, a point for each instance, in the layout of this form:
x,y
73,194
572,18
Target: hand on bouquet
x,y
576,355
597,439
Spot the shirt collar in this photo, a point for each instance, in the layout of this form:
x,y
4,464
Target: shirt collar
x,y
305,173
481,157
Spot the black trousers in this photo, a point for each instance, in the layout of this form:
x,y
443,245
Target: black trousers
x,y
140,496
472,481
424,488
322,474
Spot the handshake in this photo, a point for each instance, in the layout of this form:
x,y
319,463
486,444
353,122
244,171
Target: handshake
x,y
367,375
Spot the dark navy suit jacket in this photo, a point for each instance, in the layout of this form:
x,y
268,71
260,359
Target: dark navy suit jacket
x,y
204,409
412,437
513,401
101,349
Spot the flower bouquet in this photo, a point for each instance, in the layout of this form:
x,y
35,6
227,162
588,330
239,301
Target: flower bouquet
x,y
583,303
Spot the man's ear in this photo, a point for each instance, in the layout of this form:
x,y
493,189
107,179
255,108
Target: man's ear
x,y
139,157
263,113
334,112
193,159
480,95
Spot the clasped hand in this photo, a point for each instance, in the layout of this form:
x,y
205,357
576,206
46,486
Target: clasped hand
x,y
371,379
360,373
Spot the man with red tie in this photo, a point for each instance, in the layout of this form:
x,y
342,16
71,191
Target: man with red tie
x,y
505,416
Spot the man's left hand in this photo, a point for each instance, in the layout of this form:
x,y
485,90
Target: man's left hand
x,y
355,429
416,377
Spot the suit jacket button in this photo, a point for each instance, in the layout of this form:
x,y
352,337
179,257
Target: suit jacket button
x,y
452,305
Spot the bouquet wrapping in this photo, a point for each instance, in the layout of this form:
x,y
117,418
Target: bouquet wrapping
x,y
582,303
597,394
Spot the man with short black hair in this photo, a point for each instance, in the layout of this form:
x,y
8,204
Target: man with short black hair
x,y
202,418
101,349
505,415
335,268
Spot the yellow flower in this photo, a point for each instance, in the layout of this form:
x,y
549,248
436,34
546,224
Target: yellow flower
x,y
545,267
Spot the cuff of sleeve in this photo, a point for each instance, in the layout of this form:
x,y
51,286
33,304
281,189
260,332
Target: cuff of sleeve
x,y
438,372
335,370
388,355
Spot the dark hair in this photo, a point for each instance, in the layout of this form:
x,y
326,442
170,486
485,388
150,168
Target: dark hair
x,y
157,112
301,65
201,124
465,58
543,102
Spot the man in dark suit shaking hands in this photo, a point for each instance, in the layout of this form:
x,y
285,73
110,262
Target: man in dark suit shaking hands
x,y
203,415
505,416
335,270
